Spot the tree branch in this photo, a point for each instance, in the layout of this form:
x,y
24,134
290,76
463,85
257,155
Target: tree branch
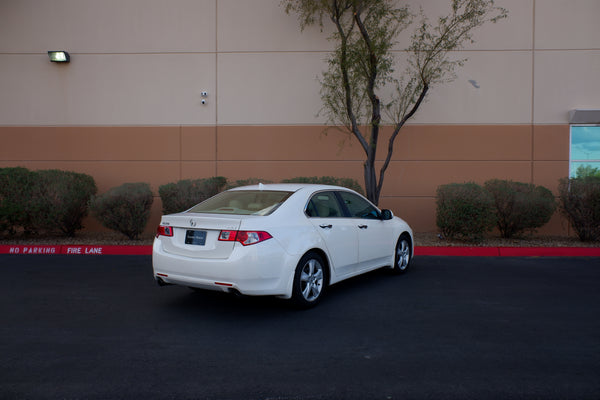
x,y
397,128
375,102
336,18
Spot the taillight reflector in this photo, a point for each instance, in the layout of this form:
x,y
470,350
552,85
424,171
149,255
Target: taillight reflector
x,y
163,230
246,238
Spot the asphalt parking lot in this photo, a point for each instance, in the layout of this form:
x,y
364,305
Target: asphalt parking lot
x,y
97,327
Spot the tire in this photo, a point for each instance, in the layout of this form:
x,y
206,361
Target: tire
x,y
403,254
309,281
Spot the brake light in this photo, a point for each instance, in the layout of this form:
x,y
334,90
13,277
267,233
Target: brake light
x,y
163,230
246,238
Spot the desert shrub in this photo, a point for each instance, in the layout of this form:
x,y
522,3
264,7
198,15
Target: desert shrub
x,y
520,206
124,208
327,180
246,182
60,200
464,211
16,186
580,203
47,200
182,195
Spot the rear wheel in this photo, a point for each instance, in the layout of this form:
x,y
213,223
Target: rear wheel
x,y
403,254
309,281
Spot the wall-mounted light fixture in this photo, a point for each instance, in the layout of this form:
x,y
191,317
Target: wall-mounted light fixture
x,y
59,56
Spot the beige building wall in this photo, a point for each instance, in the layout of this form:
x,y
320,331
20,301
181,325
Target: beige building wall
x,y
128,106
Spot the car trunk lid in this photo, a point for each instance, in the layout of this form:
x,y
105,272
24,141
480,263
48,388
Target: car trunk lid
x,y
197,235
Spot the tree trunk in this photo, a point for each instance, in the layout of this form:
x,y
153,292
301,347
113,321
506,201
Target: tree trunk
x,y
371,181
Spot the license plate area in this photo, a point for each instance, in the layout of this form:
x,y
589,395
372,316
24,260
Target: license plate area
x,y
196,238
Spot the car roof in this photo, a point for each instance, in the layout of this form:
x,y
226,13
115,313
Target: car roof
x,y
290,187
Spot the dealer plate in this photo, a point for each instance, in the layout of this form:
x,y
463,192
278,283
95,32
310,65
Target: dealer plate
x,y
197,238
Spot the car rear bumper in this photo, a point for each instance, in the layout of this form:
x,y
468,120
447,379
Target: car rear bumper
x,y
262,269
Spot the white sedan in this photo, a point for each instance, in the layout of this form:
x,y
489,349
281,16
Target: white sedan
x,y
285,240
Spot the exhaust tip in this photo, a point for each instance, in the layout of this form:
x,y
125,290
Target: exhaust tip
x,y
160,282
235,293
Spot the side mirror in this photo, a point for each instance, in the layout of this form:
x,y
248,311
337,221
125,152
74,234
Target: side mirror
x,y
386,215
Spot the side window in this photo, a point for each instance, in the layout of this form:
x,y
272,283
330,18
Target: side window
x,y
324,205
585,151
359,207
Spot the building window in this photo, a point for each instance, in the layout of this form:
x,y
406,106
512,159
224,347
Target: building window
x,y
585,150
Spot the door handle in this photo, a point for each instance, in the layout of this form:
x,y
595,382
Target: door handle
x,y
326,226
363,226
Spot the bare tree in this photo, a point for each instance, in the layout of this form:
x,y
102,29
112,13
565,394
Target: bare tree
x,y
360,90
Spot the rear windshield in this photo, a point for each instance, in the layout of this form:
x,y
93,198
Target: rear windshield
x,y
243,202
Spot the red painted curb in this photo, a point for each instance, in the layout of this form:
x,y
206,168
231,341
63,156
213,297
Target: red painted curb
x,y
508,251
76,250
457,251
419,251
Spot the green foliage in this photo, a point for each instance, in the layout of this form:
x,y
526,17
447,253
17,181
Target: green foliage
x,y
327,180
585,171
362,62
16,189
580,203
464,211
182,195
361,90
47,200
520,206
431,43
124,209
61,200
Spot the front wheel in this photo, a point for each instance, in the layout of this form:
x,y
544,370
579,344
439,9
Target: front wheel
x,y
403,254
309,281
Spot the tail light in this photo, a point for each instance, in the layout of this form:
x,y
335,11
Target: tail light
x,y
164,230
246,238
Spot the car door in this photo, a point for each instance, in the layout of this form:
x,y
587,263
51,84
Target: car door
x,y
338,232
375,236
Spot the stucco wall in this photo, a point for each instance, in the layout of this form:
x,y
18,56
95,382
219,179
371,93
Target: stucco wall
x,y
128,105
425,156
